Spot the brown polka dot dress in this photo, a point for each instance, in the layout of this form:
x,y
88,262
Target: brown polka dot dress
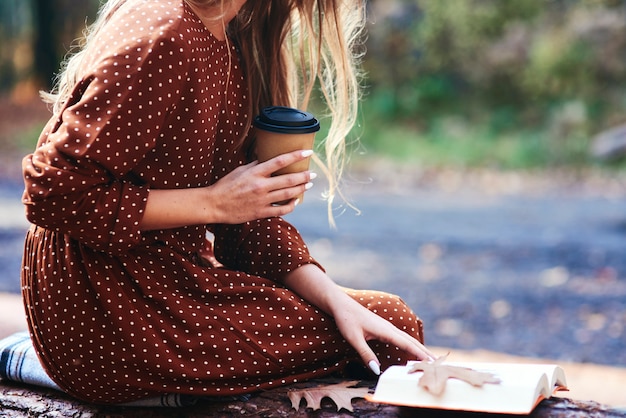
x,y
118,314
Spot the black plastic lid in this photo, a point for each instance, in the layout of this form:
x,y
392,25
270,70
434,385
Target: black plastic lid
x,y
286,120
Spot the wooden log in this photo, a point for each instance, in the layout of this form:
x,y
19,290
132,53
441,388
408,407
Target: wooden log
x,y
26,401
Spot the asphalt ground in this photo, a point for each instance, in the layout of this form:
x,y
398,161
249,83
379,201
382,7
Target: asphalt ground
x,y
541,276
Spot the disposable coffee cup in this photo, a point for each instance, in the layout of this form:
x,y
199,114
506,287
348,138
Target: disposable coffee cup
x,y
280,130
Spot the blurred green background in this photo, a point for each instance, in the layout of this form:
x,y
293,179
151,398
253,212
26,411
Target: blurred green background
x,y
505,84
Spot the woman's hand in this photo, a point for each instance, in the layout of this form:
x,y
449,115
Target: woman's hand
x,y
245,194
356,323
250,192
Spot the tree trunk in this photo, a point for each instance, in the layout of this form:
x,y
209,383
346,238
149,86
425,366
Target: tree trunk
x,y
45,42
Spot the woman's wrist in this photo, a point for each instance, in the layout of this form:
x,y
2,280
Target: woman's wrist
x,y
205,204
174,208
313,285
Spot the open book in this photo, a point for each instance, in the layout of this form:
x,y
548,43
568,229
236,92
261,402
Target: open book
x,y
521,388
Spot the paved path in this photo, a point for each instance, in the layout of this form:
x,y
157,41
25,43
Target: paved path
x,y
534,276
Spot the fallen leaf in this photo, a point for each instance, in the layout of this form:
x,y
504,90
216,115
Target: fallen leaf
x,y
436,375
340,393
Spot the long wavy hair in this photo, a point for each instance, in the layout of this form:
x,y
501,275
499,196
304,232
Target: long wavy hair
x,y
291,49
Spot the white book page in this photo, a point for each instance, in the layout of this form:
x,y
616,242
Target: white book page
x,y
522,387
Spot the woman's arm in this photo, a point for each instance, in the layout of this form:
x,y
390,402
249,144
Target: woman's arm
x,y
356,323
245,194
80,179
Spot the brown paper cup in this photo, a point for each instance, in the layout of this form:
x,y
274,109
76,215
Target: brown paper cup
x,y
271,144
280,130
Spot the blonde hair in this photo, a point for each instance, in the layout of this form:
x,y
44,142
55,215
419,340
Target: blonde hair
x,y
289,49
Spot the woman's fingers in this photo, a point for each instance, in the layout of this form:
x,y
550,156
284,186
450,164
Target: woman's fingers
x,y
404,341
386,332
370,359
285,186
281,161
356,339
412,345
286,192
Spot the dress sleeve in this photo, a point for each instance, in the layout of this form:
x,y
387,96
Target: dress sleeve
x,y
269,248
79,180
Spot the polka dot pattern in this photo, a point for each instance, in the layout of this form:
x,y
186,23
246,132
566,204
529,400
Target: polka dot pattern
x,y
117,314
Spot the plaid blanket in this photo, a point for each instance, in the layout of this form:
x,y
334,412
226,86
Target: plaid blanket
x,y
19,363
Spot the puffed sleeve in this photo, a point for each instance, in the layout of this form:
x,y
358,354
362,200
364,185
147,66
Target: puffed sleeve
x,y
269,248
79,180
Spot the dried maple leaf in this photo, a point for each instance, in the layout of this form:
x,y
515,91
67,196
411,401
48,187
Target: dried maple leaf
x,y
340,393
436,374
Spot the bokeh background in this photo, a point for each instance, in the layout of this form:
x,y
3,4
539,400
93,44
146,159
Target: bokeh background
x,y
505,84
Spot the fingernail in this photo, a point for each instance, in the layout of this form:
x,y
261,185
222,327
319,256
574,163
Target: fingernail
x,y
308,186
374,367
297,202
312,175
307,153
